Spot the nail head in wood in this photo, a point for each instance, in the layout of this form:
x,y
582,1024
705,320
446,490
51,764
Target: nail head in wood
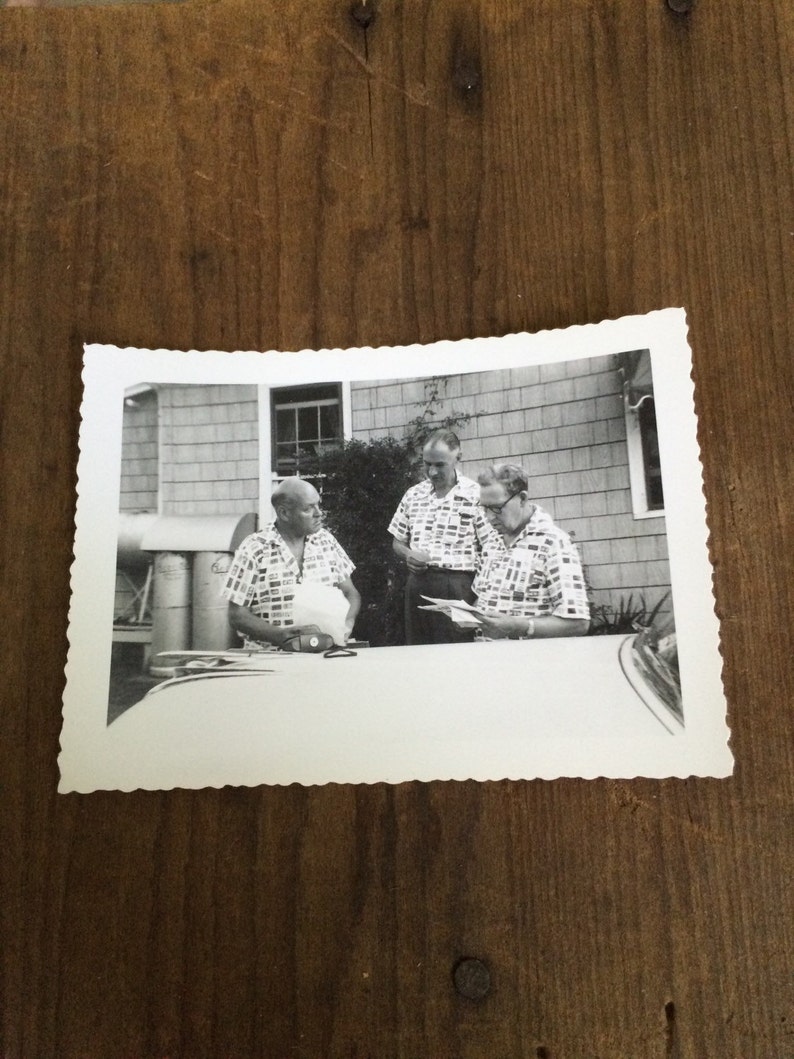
x,y
467,76
363,13
472,978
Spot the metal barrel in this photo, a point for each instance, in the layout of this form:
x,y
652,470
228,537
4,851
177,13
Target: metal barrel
x,y
211,629
171,608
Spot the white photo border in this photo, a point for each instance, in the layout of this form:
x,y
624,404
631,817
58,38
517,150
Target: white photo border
x,y
483,734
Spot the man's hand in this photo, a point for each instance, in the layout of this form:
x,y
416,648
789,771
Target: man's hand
x,y
416,560
286,632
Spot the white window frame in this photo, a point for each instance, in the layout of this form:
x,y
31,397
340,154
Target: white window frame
x,y
639,490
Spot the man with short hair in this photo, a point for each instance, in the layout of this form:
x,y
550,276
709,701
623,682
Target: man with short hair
x,y
438,531
530,582
269,565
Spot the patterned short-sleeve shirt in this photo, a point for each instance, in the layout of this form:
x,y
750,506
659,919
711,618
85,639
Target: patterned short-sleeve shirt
x,y
540,574
264,572
451,529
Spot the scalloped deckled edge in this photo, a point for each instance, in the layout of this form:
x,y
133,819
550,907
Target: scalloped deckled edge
x,y
85,746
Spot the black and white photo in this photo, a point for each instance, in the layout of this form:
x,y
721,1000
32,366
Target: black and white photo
x,y
484,559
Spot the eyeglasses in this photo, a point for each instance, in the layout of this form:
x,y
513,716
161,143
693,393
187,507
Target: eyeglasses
x,y
496,509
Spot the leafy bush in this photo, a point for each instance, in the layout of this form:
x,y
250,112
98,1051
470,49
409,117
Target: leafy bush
x,y
363,483
419,429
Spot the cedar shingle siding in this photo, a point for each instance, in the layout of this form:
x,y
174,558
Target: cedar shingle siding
x,y
209,451
564,423
139,459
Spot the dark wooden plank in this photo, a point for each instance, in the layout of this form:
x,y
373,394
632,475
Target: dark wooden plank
x,y
246,175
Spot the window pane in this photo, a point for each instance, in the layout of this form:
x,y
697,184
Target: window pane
x,y
329,421
300,394
650,455
329,445
308,425
286,459
285,424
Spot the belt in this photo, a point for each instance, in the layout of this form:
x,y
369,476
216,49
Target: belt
x,y
443,570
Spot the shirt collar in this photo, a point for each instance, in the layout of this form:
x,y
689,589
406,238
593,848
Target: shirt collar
x,y
271,535
539,522
454,491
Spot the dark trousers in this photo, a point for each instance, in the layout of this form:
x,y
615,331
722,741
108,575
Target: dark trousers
x,y
423,626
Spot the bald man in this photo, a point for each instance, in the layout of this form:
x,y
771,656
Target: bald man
x,y
269,564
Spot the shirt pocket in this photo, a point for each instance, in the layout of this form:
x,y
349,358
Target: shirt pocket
x,y
531,576
277,582
459,523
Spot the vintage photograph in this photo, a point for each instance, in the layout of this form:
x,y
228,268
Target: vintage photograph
x,y
480,553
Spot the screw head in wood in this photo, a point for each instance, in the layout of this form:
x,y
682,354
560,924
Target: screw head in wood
x,y
472,978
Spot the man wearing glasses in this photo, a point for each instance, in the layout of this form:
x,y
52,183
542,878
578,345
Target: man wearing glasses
x,y
530,582
438,531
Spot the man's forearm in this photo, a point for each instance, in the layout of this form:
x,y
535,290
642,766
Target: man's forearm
x,y
415,560
353,597
503,626
242,620
550,626
402,551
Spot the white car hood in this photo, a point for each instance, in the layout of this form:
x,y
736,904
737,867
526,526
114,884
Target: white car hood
x,y
483,711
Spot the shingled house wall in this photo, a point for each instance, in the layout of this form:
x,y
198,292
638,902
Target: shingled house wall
x,y
208,442
564,423
140,454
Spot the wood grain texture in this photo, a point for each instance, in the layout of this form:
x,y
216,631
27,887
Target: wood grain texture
x,y
235,174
